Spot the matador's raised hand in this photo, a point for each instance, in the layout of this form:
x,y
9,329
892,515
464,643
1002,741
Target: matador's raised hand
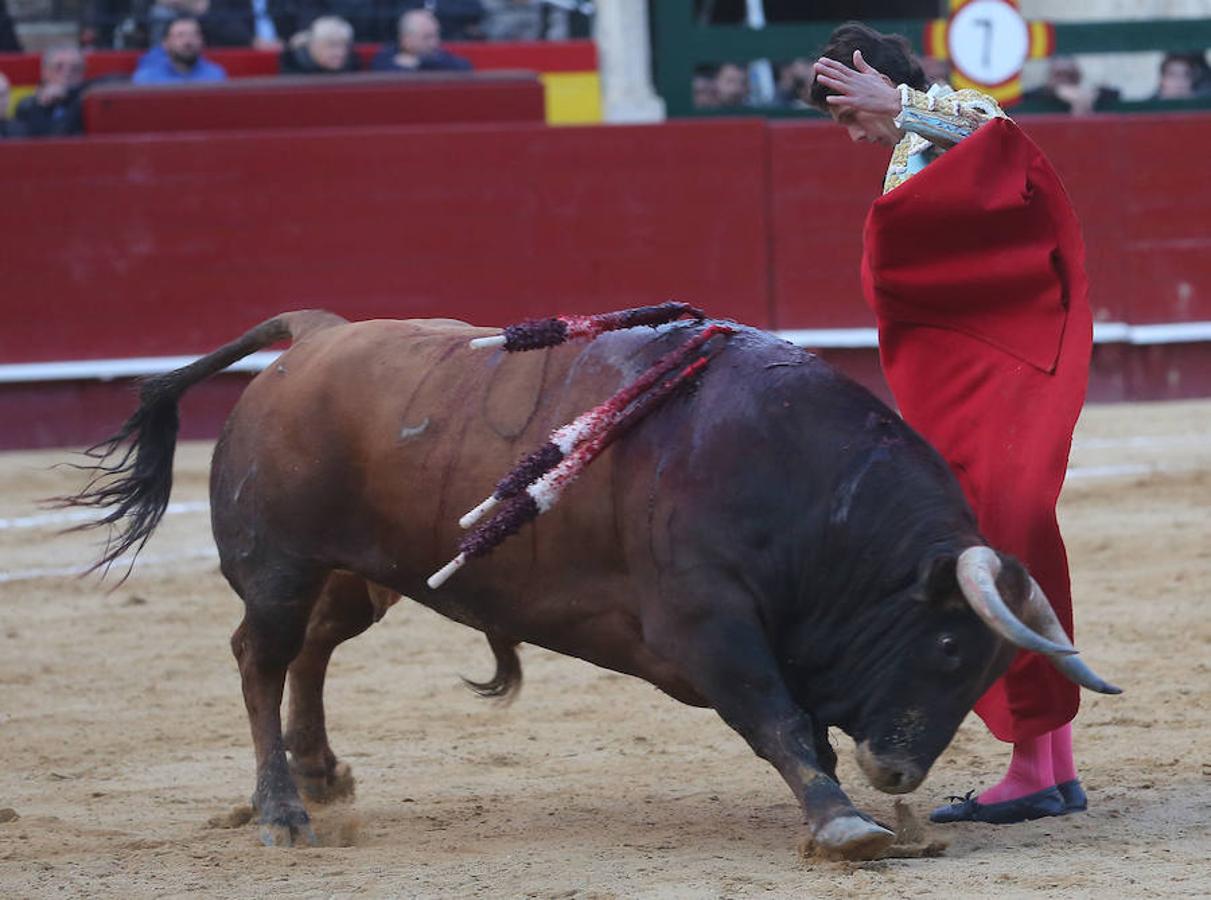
x,y
860,89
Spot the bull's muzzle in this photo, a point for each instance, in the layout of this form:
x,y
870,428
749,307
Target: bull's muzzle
x,y
890,773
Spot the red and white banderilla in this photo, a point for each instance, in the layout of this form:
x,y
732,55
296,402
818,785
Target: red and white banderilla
x,y
537,482
586,426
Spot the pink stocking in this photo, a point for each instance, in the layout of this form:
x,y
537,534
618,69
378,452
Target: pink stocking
x,y
1030,771
1063,764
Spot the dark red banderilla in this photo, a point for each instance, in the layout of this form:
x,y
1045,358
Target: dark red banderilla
x,y
535,334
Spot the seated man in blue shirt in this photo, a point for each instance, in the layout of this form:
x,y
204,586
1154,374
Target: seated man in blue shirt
x,y
178,59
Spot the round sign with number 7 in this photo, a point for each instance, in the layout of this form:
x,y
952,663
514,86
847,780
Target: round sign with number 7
x,y
988,41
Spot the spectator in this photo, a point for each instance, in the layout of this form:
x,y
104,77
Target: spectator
x,y
419,47
54,108
460,20
1064,92
178,59
731,85
8,127
8,35
794,79
1182,76
325,48
705,95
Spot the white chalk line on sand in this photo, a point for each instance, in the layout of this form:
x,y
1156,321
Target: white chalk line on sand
x,y
1145,441
1079,473
71,517
146,561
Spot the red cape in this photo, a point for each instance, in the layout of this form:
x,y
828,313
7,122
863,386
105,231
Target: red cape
x,y
975,270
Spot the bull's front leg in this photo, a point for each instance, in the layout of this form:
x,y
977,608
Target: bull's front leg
x,y
730,663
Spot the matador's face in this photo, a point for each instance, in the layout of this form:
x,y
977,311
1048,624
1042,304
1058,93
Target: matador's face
x,y
868,127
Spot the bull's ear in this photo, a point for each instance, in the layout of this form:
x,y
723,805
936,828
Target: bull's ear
x,y
1013,583
936,579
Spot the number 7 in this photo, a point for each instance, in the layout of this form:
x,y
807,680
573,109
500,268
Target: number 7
x,y
986,24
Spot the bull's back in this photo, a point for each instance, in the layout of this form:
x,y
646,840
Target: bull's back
x,y
365,442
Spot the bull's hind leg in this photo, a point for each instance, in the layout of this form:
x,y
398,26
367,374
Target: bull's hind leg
x,y
347,606
277,605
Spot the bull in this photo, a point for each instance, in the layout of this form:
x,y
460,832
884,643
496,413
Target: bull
x,y
775,544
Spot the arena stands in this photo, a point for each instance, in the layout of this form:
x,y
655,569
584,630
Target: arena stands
x,y
567,70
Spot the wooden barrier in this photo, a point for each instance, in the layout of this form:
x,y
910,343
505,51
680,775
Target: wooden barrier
x,y
301,101
143,246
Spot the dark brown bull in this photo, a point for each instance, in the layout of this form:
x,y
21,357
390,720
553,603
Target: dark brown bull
x,y
775,544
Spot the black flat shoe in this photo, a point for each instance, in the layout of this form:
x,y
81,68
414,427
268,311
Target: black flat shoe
x,y
1047,802
1074,796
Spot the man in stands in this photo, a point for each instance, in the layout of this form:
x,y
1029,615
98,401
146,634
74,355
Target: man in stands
x,y
1065,90
178,59
54,108
419,48
731,85
325,48
1182,76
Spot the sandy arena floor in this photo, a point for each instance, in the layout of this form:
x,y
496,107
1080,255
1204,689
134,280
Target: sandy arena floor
x,y
126,749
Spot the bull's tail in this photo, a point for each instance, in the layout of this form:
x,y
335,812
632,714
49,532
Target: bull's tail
x,y
506,682
132,470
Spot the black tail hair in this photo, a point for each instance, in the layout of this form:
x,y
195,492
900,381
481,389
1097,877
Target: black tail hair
x,y
506,681
132,472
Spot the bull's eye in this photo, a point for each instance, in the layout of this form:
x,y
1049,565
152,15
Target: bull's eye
x,y
949,646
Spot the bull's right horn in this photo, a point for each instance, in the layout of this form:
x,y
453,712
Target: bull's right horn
x,y
977,572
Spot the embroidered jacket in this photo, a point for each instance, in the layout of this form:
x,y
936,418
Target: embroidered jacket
x,y
934,121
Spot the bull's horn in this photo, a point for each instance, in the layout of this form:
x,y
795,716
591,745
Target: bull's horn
x,y
1074,669
977,572
1041,617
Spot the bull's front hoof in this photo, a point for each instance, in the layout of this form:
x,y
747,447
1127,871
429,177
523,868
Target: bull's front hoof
x,y
852,837
326,787
287,826
288,835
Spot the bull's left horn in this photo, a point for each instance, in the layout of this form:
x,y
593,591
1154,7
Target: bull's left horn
x,y
977,572
1074,669
1041,617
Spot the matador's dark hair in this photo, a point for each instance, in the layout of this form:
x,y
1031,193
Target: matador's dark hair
x,y
891,54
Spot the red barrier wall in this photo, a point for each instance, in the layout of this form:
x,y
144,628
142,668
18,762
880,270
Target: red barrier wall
x,y
1138,183
821,186
338,101
160,245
